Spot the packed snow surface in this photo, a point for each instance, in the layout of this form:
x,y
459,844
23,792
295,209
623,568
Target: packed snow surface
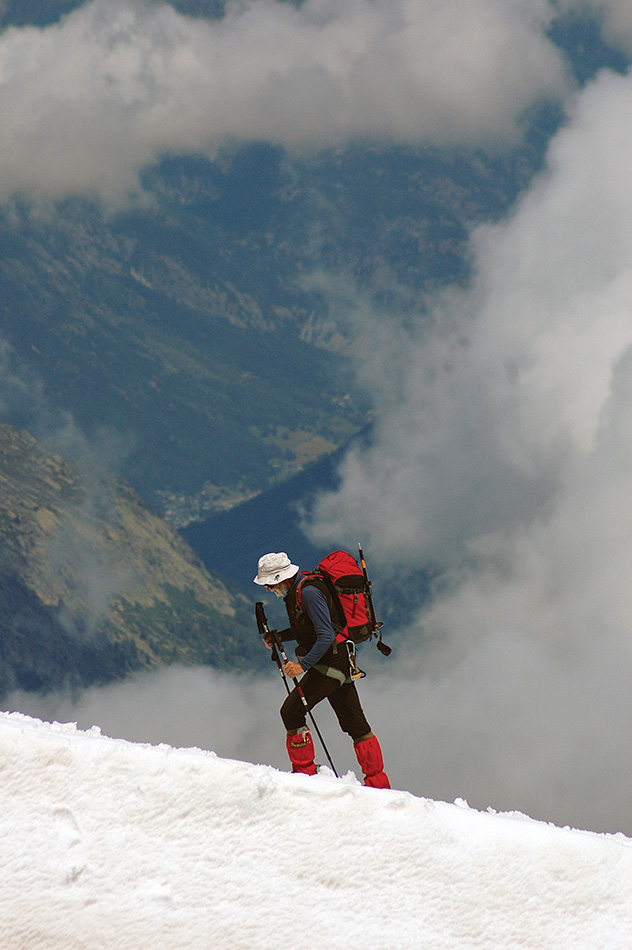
x,y
117,845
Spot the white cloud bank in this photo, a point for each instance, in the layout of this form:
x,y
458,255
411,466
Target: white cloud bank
x,y
507,464
87,103
507,383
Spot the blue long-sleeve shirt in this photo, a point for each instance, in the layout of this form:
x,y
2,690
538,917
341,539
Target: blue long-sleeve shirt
x,y
317,609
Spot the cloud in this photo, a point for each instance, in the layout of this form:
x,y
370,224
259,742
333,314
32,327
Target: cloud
x,y
506,382
504,464
234,715
90,101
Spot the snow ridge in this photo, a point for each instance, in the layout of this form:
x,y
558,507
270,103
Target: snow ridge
x,y
119,845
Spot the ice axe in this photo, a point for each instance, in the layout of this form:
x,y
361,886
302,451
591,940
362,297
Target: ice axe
x,y
376,625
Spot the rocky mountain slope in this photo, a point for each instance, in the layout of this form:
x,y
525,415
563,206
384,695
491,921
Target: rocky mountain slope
x,y
94,585
142,327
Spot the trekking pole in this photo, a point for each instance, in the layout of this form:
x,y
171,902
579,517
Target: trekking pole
x,y
376,624
277,647
262,624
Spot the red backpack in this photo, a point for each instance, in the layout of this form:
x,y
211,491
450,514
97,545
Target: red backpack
x,y
350,591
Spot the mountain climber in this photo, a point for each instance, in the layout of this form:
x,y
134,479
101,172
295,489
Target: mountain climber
x,y
326,666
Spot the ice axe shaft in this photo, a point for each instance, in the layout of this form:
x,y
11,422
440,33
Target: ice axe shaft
x,y
376,625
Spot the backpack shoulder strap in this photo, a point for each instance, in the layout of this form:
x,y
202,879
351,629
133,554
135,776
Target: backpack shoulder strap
x,y
311,578
324,583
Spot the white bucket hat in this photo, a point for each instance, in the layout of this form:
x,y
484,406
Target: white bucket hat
x,y
274,568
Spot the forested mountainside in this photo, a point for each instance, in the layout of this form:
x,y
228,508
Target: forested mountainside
x,y
94,585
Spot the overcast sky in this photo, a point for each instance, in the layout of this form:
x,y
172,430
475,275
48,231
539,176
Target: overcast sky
x,y
502,457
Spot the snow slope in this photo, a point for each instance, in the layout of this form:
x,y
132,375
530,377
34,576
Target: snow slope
x,y
112,844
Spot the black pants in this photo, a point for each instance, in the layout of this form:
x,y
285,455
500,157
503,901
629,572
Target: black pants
x,y
343,699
